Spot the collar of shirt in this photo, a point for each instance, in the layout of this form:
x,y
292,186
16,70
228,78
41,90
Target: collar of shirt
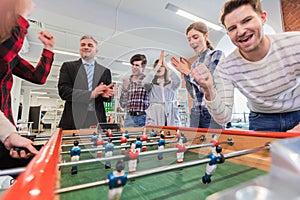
x,y
201,57
86,63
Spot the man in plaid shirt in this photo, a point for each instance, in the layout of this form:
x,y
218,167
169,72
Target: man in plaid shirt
x,y
134,97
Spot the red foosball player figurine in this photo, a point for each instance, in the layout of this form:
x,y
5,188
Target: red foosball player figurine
x,y
109,133
215,140
123,143
133,156
215,158
100,143
144,141
75,153
116,181
181,150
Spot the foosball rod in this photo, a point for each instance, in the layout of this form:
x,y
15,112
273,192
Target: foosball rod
x,y
78,136
229,141
113,141
117,147
153,152
202,138
13,171
162,169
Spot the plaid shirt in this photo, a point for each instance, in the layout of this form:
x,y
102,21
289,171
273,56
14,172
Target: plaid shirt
x,y
210,59
136,98
12,64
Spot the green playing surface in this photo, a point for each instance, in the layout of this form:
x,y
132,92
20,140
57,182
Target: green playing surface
x,y
182,184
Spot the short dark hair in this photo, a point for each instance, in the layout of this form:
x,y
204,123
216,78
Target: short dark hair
x,y
231,5
76,143
89,37
120,165
139,57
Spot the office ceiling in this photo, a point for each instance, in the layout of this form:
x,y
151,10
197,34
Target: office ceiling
x,y
123,28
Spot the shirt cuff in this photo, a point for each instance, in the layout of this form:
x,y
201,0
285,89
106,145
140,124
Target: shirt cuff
x,y
212,103
47,53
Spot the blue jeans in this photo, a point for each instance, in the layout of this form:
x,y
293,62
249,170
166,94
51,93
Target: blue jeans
x,y
277,122
200,118
135,121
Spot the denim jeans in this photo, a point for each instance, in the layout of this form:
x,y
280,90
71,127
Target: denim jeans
x,y
200,118
135,121
277,122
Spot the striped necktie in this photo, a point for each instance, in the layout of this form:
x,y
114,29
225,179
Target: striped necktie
x,y
89,68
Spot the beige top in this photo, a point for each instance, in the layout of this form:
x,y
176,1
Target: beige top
x,y
6,127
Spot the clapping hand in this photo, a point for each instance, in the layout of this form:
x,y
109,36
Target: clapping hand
x,y
181,65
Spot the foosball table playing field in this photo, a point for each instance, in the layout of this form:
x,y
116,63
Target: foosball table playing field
x,y
146,163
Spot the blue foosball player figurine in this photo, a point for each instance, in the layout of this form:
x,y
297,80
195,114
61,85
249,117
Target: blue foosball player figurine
x,y
109,148
127,134
94,139
116,181
138,144
215,158
161,145
75,154
152,133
